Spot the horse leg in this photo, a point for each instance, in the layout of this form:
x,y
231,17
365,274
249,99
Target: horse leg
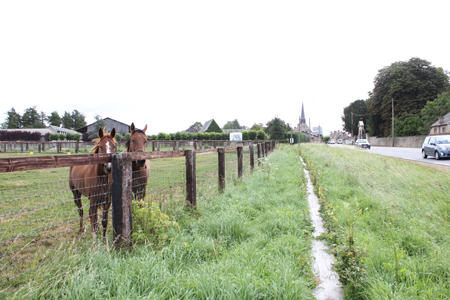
x,y
77,200
106,206
93,217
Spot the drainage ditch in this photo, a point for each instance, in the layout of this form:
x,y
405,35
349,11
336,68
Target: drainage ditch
x,y
327,280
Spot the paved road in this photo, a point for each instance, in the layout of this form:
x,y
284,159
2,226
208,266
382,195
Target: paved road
x,y
405,153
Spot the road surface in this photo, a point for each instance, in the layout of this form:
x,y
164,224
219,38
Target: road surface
x,y
404,153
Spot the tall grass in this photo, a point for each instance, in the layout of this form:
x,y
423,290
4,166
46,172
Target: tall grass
x,y
251,242
400,215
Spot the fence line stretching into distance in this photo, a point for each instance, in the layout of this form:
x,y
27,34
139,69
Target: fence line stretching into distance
x,y
58,146
36,220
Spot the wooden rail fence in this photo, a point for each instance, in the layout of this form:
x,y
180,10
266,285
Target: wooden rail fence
x,y
121,190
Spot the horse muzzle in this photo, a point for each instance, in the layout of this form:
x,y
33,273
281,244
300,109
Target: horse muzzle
x,y
140,163
107,168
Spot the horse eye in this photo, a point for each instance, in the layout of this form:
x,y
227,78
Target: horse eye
x,y
132,141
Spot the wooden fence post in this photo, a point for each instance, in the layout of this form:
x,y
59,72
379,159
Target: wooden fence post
x,y
157,145
77,147
252,157
21,147
122,196
240,161
153,146
221,152
191,181
39,148
259,154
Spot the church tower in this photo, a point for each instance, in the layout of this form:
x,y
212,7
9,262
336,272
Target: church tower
x,y
302,118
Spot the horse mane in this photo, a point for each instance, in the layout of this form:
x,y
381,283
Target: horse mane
x,y
95,149
127,144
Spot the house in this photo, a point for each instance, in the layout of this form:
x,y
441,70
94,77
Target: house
x,y
341,137
210,126
43,131
56,129
120,127
441,126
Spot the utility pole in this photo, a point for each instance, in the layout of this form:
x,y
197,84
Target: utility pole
x,y
352,124
299,123
310,130
392,122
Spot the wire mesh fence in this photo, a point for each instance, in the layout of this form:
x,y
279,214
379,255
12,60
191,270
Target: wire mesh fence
x,y
36,219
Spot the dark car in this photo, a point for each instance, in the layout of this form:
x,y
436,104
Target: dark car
x,y
437,146
362,143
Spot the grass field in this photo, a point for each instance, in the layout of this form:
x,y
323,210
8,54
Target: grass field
x,y
388,222
38,214
251,242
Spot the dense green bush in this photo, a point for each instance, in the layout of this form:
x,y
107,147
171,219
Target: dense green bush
x,y
261,135
53,137
73,137
19,135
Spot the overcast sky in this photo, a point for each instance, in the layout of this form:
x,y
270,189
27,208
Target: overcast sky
x,y
169,64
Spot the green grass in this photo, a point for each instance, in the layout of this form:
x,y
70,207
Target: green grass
x,y
251,242
399,213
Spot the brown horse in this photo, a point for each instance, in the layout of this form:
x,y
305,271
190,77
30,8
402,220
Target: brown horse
x,y
141,168
93,181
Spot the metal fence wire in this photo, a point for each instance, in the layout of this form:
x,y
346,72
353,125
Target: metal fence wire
x,y
35,220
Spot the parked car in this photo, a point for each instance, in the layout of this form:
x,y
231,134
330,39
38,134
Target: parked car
x,y
330,142
437,146
362,143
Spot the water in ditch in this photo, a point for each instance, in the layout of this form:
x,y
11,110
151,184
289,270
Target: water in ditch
x,y
327,280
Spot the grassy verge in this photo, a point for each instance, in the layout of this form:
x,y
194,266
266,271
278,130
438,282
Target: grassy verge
x,y
391,217
251,242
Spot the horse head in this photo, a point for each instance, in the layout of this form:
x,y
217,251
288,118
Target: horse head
x,y
137,142
105,144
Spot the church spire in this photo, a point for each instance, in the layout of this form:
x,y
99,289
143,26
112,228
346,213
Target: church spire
x,y
302,118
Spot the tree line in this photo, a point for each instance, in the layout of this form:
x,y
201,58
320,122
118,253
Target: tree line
x,y
31,118
419,92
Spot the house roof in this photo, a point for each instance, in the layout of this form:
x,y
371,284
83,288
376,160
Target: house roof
x,y
56,129
191,129
445,121
206,125
107,118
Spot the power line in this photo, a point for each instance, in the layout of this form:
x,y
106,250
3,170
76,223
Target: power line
x,y
415,99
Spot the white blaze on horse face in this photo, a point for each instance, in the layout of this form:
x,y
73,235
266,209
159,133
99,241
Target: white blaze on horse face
x,y
108,150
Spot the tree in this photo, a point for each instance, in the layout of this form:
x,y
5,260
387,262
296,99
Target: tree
x,y
256,127
433,110
277,129
360,113
78,119
401,81
99,123
13,119
232,125
43,117
409,126
30,117
54,119
67,121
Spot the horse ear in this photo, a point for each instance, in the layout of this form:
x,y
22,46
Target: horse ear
x,y
100,132
132,127
113,132
145,128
